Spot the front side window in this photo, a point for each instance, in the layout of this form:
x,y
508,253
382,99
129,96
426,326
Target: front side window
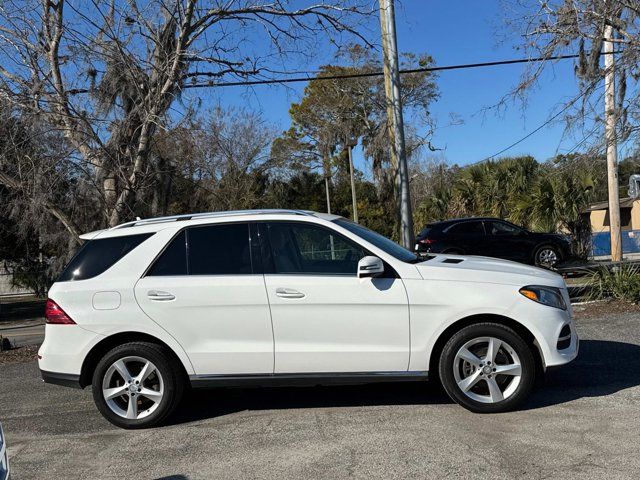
x,y
503,229
96,256
383,243
304,248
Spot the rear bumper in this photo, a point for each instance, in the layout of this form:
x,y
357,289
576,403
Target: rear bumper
x,y
64,379
63,352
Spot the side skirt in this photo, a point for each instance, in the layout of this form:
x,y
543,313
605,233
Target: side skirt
x,y
303,379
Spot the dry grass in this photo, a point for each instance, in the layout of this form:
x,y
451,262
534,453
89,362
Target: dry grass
x,y
27,353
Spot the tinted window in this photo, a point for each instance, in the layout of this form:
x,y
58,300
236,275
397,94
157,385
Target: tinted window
x,y
173,261
301,248
383,243
96,256
219,250
501,228
467,228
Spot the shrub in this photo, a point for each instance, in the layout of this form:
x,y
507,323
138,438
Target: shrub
x,y
621,282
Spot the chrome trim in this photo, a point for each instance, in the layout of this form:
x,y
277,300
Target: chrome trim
x,y
304,379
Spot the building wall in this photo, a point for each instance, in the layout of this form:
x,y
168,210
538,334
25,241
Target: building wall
x,y
600,230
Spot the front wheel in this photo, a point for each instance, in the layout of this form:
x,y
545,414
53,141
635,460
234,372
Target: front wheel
x,y
487,368
547,256
136,385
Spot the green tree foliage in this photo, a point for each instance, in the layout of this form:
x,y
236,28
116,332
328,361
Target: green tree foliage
x,y
550,196
334,112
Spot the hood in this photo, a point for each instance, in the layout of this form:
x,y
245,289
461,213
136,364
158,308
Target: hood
x,y
486,270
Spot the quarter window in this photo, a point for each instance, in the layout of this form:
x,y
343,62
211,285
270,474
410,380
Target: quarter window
x,y
96,256
300,248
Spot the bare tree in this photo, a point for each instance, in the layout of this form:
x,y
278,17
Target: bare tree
x,y
559,27
109,75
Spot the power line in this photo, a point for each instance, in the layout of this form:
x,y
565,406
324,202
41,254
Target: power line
x,y
308,78
537,129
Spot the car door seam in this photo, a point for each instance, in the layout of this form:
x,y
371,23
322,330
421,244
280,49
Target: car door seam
x,y
406,294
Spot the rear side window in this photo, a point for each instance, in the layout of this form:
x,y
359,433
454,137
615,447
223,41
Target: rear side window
x,y
209,250
219,250
96,256
173,260
467,228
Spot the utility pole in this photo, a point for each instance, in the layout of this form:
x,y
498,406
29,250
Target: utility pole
x,y
326,167
395,123
612,144
326,189
352,142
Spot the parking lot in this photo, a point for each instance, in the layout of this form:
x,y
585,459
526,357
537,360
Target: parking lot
x,y
583,423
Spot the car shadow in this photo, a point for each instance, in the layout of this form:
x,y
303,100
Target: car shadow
x,y
601,369
200,404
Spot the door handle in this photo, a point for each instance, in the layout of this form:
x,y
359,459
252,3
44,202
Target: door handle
x,y
160,296
289,293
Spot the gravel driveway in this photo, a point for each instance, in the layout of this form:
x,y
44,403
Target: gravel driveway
x,y
584,423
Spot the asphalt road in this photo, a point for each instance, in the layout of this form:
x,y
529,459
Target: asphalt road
x,y
582,424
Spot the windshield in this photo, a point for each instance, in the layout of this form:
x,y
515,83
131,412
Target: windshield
x,y
383,243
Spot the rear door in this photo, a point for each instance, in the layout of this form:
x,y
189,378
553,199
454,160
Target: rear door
x,y
205,291
325,318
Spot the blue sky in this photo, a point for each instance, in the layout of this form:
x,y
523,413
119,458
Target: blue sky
x,y
462,31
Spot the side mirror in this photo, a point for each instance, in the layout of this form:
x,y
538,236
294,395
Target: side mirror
x,y
370,267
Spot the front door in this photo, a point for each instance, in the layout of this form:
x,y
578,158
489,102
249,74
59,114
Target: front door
x,y
204,291
326,319
506,241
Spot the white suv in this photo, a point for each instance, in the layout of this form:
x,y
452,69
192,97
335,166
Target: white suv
x,y
285,297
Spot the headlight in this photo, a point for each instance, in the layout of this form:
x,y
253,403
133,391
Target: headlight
x,y
549,296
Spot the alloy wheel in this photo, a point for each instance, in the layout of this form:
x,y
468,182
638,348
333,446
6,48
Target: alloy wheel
x,y
487,370
133,387
547,257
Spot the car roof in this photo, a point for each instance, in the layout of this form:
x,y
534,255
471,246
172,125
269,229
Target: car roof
x,y
156,223
444,223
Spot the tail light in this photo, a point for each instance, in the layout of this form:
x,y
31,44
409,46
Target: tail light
x,y
55,315
427,241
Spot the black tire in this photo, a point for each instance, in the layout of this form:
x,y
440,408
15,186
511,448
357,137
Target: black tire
x,y
523,351
542,248
170,373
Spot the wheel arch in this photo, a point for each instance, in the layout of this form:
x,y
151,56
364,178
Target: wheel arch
x,y
103,346
519,328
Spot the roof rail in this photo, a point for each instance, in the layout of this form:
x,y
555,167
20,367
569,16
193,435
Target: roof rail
x,y
194,216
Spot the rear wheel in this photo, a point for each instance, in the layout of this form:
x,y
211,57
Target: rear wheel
x,y
487,368
136,385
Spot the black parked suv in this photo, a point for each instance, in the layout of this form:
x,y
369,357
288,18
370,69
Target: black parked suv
x,y
492,237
